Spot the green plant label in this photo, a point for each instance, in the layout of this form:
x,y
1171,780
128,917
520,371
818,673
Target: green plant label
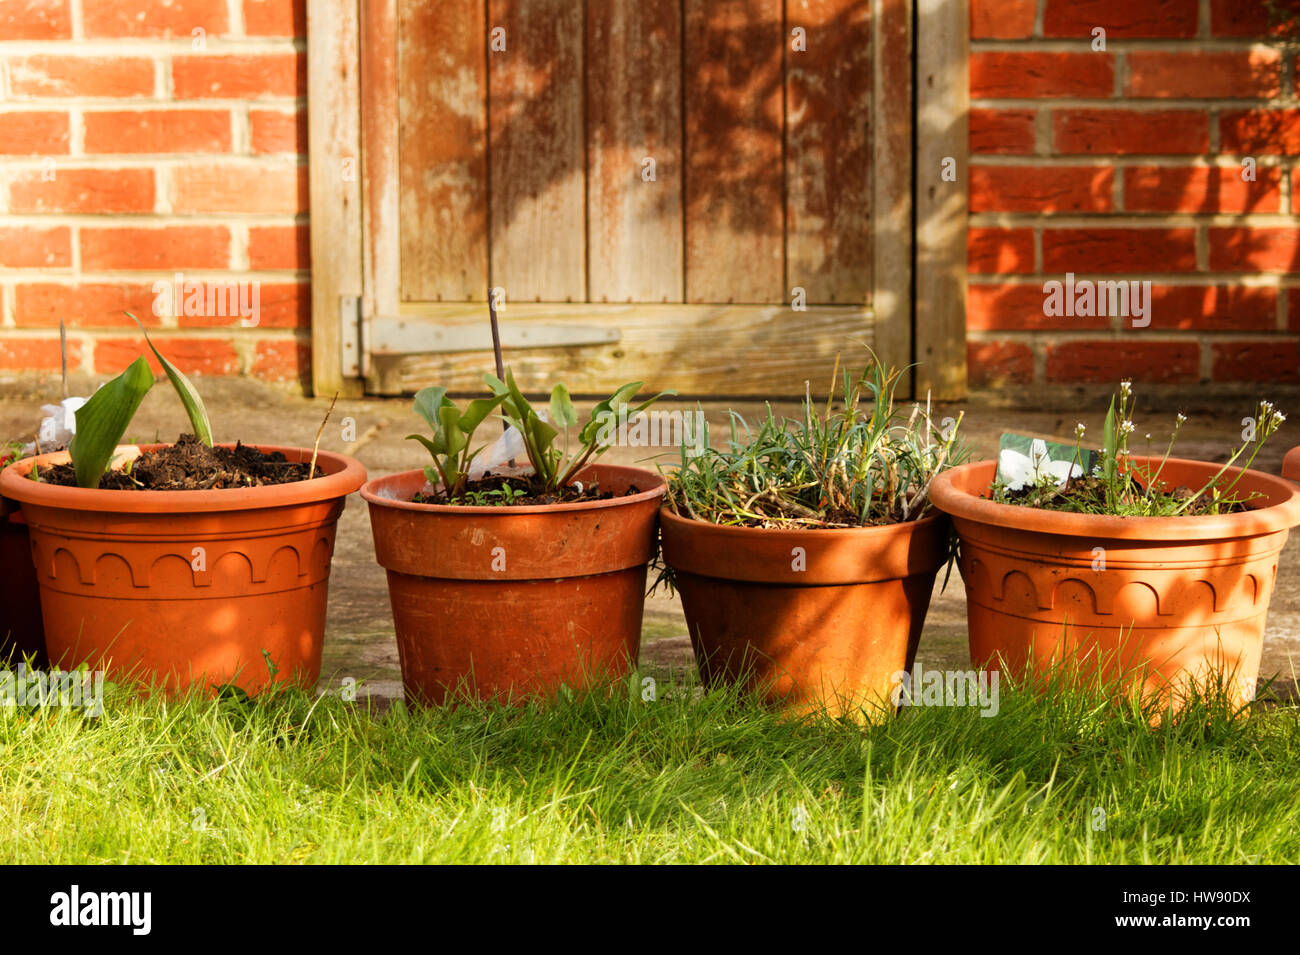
x,y
1028,462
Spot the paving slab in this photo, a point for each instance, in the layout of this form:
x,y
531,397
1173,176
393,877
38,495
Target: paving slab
x,y
360,642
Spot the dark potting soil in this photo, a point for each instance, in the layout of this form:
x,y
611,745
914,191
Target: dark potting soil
x,y
1088,495
190,465
500,490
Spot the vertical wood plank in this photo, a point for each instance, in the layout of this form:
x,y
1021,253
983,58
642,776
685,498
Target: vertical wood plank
x,y
734,189
828,149
334,147
536,162
942,111
634,224
381,173
892,179
442,127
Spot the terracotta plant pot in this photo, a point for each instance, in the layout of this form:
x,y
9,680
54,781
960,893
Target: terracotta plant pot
x,y
509,603
181,587
22,634
1160,602
832,635
1291,465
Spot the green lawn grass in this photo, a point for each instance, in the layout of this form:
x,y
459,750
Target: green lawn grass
x,y
608,777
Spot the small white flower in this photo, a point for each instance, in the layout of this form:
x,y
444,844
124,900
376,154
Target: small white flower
x,y
1125,428
1181,417
1126,387
1079,429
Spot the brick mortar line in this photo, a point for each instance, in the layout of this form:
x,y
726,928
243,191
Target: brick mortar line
x,y
1123,45
94,104
163,161
152,219
1147,104
132,334
1103,161
34,102
235,17
1162,337
1130,220
99,276
110,48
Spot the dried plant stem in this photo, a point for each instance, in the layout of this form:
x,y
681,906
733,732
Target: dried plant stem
x,y
315,448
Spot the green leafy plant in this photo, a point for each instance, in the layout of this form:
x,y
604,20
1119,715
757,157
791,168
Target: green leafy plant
x,y
851,467
10,451
453,434
1120,486
452,442
557,467
104,418
502,496
189,395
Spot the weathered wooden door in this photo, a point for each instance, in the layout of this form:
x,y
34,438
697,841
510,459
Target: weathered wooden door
x,y
707,195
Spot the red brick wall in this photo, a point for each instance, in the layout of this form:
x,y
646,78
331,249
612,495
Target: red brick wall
x,y
1127,164
139,139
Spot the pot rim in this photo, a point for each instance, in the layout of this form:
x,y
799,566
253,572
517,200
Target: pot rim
x,y
1291,464
737,531
1280,515
370,496
346,478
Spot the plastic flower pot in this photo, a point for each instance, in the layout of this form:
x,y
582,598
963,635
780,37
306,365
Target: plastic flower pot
x,y
22,634
1166,606
1291,465
176,588
512,603
810,619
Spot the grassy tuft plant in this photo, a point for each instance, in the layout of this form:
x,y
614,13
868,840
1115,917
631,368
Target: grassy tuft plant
x,y
857,466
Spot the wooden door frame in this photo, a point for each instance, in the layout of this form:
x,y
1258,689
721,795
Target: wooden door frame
x,y
919,255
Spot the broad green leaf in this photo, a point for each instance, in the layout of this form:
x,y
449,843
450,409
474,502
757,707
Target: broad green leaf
x,y
541,432
478,409
646,404
563,414
455,438
609,406
104,418
428,403
435,446
189,395
514,410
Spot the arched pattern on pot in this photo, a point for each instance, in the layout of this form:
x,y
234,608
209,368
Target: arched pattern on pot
x,y
140,567
1073,586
